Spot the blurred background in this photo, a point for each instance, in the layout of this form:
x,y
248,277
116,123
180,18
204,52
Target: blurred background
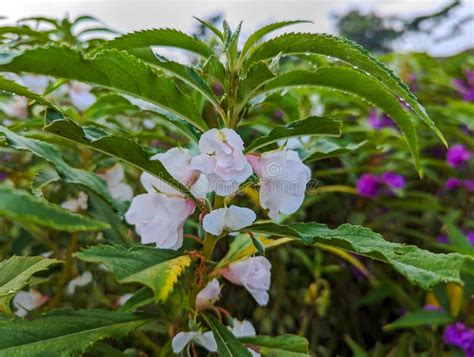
x,y
439,27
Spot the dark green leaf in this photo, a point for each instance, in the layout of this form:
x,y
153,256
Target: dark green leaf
x,y
284,345
420,318
227,344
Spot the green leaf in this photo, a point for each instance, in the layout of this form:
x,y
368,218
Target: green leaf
x,y
265,30
326,148
67,173
358,84
158,269
19,206
142,297
143,40
117,146
65,332
211,27
345,50
284,345
420,318
227,344
420,267
313,125
16,274
10,86
112,69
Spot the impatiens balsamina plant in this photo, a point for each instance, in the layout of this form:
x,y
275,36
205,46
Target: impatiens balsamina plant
x,y
207,209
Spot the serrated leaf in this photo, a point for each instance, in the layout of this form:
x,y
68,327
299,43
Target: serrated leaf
x,y
358,84
345,50
158,269
420,267
67,173
136,41
65,332
10,86
17,205
112,69
283,345
419,318
324,126
16,273
227,344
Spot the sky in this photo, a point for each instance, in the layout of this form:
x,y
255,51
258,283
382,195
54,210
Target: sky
x,y
129,15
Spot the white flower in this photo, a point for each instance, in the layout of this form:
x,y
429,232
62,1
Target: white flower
x,y
123,299
80,281
231,219
26,301
222,160
209,295
17,107
114,177
76,204
81,96
160,219
206,340
283,180
253,274
177,162
37,84
242,329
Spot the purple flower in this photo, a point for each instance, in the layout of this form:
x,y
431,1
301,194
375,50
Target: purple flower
x,y
3,176
393,180
368,185
430,307
442,238
457,155
452,183
469,185
412,82
461,336
466,87
470,237
379,122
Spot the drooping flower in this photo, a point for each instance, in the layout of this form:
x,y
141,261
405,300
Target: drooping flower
x,y
253,274
209,295
460,335
160,219
79,282
182,339
26,301
368,185
283,180
379,122
76,204
118,189
457,155
466,87
81,96
231,219
242,329
222,160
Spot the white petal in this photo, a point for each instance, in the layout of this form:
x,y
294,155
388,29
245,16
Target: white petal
x,y
142,208
180,341
207,296
239,217
243,328
80,281
207,340
214,222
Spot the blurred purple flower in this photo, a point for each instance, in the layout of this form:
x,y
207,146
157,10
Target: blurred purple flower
x,y
461,336
379,122
452,183
393,180
469,185
430,307
466,87
470,237
442,238
3,176
412,79
465,129
368,185
457,155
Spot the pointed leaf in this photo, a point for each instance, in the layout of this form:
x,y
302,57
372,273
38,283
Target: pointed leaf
x,y
419,318
227,344
283,345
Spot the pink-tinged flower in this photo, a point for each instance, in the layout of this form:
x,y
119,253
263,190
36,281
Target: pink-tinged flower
x,y
452,183
368,185
230,219
177,162
160,219
222,160
209,295
182,339
466,87
79,282
26,301
379,122
17,107
81,96
461,336
76,204
469,185
254,275
114,177
393,180
457,155
283,180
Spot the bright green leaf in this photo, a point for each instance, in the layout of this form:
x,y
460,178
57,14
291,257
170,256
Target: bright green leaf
x,y
419,318
283,345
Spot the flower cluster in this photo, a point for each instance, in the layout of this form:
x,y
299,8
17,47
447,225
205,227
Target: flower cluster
x,y
370,185
461,336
